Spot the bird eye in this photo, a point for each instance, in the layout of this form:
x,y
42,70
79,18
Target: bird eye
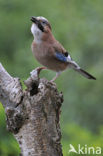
x,y
43,22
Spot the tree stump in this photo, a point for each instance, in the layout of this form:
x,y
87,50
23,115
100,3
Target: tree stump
x,y
32,114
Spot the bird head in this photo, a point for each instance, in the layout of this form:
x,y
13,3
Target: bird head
x,y
40,27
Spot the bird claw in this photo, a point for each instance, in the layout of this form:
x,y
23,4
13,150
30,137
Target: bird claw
x,y
57,75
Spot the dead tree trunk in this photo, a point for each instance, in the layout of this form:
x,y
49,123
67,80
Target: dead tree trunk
x,y
32,114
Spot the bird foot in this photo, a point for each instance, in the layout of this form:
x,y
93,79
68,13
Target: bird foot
x,y
37,71
53,79
57,75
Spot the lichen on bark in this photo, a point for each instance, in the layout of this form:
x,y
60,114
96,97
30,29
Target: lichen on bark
x,y
33,115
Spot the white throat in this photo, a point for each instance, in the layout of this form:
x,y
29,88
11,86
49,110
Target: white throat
x,y
37,33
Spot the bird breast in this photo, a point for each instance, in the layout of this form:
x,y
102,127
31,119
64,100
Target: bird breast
x,y
45,56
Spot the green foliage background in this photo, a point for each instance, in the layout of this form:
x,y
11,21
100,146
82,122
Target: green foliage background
x,y
78,25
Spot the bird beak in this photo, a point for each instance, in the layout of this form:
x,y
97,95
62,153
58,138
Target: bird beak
x,y
37,22
34,20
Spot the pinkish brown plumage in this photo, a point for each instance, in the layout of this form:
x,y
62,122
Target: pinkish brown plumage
x,y
49,52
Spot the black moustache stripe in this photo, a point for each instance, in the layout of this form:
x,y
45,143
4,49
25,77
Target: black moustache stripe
x,y
40,27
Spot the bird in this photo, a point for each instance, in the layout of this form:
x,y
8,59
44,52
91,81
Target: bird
x,y
49,52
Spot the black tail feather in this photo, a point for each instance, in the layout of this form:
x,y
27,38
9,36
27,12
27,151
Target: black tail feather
x,y
86,74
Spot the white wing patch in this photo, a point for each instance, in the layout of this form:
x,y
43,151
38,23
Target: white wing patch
x,y
69,59
73,63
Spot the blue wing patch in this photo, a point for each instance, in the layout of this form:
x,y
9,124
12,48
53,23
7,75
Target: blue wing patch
x,y
61,57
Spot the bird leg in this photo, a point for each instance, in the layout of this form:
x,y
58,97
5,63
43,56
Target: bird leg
x,y
57,75
39,69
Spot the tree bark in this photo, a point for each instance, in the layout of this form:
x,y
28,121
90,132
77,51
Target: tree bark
x,y
32,114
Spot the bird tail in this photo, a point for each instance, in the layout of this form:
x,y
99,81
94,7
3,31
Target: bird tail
x,y
76,67
85,74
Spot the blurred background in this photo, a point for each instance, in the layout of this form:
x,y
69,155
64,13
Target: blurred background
x,y
78,25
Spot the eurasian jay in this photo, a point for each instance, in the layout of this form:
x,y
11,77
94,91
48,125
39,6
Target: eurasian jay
x,y
49,52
